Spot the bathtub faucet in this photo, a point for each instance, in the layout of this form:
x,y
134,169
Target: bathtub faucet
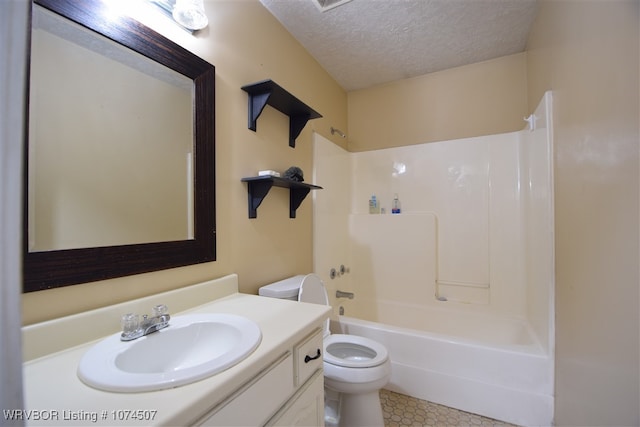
x,y
340,294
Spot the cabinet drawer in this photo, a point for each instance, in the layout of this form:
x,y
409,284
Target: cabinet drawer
x,y
308,357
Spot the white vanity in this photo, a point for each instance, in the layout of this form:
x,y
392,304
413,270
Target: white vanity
x,y
279,383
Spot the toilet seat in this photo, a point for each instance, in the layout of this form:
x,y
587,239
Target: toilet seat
x,y
352,351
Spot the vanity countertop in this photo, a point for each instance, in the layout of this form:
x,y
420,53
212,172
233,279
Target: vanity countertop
x,y
55,396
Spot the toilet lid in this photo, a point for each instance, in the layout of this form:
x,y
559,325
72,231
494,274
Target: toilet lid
x,y
352,351
312,290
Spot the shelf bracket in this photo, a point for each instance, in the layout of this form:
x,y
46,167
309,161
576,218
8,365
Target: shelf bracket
x,y
256,105
257,191
296,196
296,124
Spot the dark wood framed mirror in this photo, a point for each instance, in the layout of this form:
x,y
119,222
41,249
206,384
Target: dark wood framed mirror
x,y
52,267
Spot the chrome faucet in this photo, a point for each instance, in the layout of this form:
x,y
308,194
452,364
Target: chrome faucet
x,y
133,328
341,294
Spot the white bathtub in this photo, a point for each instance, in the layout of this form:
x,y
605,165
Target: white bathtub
x,y
474,362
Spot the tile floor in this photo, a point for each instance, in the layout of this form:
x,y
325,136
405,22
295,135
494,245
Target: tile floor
x,y
401,410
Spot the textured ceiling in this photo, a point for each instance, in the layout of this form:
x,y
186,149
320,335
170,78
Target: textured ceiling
x,y
363,43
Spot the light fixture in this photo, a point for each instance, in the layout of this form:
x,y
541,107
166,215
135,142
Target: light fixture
x,y
190,14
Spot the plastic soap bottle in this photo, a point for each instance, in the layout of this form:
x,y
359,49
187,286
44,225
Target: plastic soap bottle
x,y
395,205
373,205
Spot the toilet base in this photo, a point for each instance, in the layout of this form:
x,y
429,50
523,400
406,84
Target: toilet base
x,y
362,409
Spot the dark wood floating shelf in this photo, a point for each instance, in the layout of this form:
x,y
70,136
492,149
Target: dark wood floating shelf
x,y
259,186
268,92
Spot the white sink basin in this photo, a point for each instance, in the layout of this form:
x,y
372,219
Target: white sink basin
x,y
192,347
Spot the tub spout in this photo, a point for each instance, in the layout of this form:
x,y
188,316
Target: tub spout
x,y
341,294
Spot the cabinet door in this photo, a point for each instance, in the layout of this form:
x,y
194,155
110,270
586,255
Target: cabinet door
x,y
254,403
306,408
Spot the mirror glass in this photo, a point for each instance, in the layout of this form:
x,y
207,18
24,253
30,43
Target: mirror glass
x,y
120,152
109,163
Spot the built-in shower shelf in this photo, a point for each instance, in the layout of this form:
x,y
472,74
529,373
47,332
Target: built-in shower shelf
x,y
268,92
258,187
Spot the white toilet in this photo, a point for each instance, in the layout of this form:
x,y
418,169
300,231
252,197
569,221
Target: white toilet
x,y
355,368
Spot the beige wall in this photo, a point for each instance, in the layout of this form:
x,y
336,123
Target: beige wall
x,y
246,44
479,99
587,52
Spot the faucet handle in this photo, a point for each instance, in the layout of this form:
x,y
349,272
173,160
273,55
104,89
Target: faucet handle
x,y
160,310
130,323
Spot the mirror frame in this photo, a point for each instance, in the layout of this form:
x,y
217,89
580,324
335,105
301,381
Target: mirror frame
x,y
50,269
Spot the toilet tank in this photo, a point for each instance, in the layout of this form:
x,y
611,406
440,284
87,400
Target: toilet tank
x,y
283,289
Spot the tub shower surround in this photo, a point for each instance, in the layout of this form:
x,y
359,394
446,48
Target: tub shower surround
x,y
459,287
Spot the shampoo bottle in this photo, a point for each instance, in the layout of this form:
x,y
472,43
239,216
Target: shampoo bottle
x,y
373,205
395,205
